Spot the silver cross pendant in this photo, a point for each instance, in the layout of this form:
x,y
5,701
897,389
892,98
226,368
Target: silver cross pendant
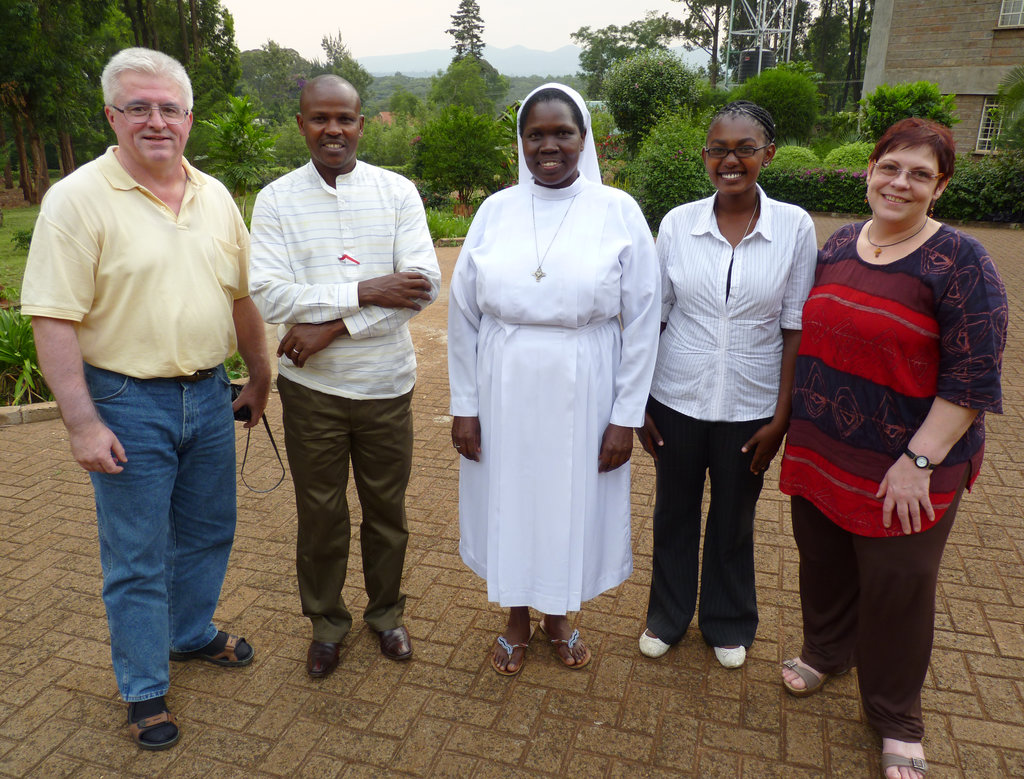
x,y
539,274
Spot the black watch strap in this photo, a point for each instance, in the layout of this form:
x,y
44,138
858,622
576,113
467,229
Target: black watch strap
x,y
920,460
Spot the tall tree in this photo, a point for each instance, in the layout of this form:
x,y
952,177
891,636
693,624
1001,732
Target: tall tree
x,y
341,63
602,47
467,29
705,23
470,83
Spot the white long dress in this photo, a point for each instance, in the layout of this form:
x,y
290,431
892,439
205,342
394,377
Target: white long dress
x,y
546,366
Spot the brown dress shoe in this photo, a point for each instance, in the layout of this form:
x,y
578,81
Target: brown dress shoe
x,y
395,644
322,658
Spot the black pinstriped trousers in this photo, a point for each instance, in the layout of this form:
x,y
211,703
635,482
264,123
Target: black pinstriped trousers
x,y
728,601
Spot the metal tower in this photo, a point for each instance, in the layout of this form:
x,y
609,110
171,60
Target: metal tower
x,y
767,39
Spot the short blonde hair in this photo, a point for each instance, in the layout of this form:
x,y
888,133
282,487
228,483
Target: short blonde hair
x,y
149,62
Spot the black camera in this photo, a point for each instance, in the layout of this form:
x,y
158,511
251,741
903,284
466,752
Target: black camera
x,y
243,414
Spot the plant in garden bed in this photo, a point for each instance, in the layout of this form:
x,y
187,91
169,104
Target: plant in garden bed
x,y
21,381
443,224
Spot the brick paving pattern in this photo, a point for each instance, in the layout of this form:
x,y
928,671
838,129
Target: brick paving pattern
x,y
446,713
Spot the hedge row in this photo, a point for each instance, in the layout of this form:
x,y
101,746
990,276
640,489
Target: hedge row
x,y
987,190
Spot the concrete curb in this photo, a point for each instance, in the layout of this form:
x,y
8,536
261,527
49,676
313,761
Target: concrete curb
x,y
31,412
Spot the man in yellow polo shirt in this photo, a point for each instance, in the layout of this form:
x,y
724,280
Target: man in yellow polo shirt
x,y
137,283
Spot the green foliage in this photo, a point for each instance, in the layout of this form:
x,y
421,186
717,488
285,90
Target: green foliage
x,y
241,149
851,156
444,224
404,102
14,254
1011,103
274,75
794,158
646,87
830,191
790,96
290,150
989,188
388,144
22,239
601,48
341,63
469,82
888,104
458,151
21,381
236,367
668,169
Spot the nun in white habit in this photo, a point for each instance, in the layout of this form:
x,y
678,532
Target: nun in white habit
x,y
553,327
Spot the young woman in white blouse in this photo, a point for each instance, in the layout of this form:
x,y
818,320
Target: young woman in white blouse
x,y
736,269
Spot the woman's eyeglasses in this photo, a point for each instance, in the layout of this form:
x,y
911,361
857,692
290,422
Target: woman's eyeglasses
x,y
741,152
889,171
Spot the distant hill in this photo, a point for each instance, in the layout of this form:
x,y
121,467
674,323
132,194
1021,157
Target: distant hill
x,y
514,61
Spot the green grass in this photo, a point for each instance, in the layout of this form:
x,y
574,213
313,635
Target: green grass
x,y
12,258
444,224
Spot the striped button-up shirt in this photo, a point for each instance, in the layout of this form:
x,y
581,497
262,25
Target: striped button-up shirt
x,y
721,352
311,246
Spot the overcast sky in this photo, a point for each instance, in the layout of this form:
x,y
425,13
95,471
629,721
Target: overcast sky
x,y
371,27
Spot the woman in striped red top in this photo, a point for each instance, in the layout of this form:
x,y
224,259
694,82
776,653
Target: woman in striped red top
x,y
903,335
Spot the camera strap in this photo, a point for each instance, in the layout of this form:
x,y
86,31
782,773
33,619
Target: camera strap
x,y
248,433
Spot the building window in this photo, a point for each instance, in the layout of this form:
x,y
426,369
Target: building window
x,y
1012,13
991,124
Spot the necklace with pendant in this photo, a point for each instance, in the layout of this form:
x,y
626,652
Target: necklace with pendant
x,y
539,273
880,246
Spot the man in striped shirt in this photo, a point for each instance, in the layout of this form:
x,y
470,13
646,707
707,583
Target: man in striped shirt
x,y
341,260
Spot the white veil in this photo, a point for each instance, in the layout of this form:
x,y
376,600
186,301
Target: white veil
x,y
588,166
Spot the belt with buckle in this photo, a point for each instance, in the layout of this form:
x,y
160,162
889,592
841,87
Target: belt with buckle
x,y
192,378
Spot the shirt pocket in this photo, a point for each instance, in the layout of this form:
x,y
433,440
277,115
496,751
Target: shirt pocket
x,y
223,258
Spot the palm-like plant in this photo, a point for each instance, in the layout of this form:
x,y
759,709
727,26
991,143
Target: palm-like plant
x,y
1011,99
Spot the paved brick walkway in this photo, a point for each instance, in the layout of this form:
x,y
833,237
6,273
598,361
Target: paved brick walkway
x,y
446,713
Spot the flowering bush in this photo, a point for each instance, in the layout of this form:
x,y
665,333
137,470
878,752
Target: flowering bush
x,y
839,190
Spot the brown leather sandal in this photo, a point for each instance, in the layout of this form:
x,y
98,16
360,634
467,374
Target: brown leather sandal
x,y
143,726
232,655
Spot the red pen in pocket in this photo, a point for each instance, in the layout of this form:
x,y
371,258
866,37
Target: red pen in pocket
x,y
348,257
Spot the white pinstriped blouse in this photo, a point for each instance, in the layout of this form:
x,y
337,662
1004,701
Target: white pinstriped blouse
x,y
721,351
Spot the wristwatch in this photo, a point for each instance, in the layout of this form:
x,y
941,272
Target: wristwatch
x,y
920,460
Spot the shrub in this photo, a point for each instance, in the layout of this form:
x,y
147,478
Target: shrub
x,y
21,381
817,189
645,87
22,239
459,151
888,104
668,169
389,145
794,158
852,156
791,97
988,189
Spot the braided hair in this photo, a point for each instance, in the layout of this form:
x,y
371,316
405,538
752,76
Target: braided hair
x,y
749,110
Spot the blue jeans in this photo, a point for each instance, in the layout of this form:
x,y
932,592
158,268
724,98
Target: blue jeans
x,y
166,522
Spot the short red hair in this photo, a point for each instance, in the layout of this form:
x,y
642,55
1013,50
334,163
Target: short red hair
x,y
914,131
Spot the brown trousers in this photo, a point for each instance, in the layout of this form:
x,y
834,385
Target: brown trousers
x,y
322,434
870,603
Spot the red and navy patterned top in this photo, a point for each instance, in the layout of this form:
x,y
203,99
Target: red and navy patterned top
x,y
879,343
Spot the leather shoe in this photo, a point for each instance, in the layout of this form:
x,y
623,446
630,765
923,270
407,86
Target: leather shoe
x,y
322,658
395,643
